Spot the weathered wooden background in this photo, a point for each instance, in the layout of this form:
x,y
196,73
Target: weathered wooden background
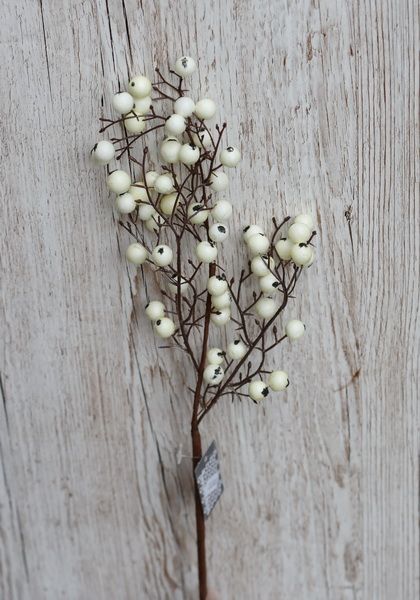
x,y
321,496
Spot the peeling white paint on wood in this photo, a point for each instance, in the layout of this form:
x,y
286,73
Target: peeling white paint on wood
x,y
321,489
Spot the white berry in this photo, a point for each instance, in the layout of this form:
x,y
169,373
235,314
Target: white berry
x,y
198,213
268,283
266,308
236,350
284,248
213,374
222,301
134,123
151,177
205,109
258,244
220,317
142,105
301,254
219,181
218,232
230,157
184,66
123,102
103,152
222,210
278,381
164,327
299,233
164,184
136,254
168,203
189,154
155,310
216,285
258,390
146,211
140,86
162,256
206,252
202,139
169,150
118,182
125,203
306,220
250,230
295,329
175,125
215,356
154,222
139,192
184,106
262,265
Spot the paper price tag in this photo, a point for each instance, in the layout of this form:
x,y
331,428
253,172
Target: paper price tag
x,y
209,479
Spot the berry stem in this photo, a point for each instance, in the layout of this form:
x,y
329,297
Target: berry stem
x,y
197,452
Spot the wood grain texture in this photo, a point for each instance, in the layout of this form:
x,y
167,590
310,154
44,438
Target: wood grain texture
x,y
321,497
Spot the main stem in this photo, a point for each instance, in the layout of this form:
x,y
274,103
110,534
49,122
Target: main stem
x,y
197,453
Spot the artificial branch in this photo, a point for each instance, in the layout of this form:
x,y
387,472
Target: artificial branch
x,y
175,200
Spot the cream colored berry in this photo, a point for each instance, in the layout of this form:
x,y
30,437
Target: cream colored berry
x,y
146,211
301,254
139,192
142,105
219,181
164,184
168,203
118,181
299,233
140,86
278,381
262,265
198,213
258,244
236,350
169,150
258,390
213,374
220,317
269,283
134,122
205,109
222,301
217,285
295,329
136,254
125,203
165,327
103,152
155,310
266,308
215,356
206,252
162,255
306,220
284,248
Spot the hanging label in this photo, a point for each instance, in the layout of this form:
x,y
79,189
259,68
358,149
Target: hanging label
x,y
209,479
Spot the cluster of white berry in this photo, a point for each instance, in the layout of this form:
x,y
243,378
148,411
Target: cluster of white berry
x,y
296,247
158,197
237,349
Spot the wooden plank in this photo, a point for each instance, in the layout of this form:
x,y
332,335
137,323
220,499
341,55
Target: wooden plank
x,y
321,486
